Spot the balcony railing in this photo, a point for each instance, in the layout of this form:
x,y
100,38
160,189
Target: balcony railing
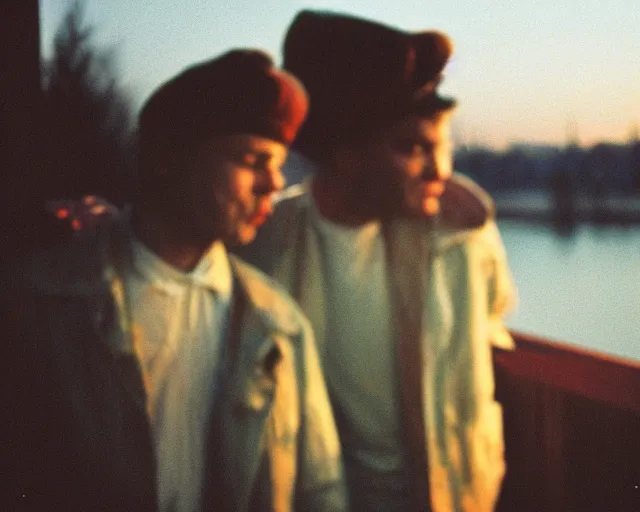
x,y
572,428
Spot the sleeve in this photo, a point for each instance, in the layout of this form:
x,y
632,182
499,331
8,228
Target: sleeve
x,y
320,486
502,292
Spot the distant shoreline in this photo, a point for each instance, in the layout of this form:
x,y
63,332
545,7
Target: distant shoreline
x,y
539,206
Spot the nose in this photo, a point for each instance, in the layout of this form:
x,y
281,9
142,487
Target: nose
x,y
276,179
270,180
429,171
436,168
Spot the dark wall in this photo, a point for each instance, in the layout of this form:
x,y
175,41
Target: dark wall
x,y
20,106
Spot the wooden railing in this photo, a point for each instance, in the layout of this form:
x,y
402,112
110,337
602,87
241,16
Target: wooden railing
x,y
572,428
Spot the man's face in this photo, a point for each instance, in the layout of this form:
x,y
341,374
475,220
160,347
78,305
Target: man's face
x,y
229,186
406,167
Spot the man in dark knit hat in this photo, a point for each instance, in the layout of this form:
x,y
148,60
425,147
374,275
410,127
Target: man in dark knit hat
x,y
398,264
147,368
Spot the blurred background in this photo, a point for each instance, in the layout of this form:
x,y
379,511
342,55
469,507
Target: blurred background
x,y
548,122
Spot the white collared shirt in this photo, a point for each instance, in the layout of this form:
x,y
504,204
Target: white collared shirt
x,y
180,321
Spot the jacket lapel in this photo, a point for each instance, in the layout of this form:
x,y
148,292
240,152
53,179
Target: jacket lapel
x,y
121,337
311,294
301,271
90,271
250,383
407,254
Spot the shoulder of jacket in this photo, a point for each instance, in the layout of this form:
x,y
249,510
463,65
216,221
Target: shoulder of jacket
x,y
74,267
465,205
272,302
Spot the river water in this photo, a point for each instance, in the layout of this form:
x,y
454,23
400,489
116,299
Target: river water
x,y
583,289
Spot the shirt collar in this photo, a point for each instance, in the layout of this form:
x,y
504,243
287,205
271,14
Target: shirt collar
x,y
212,271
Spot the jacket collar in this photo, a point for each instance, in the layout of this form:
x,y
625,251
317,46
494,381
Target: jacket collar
x,y
260,318
92,268
212,271
270,310
465,206
466,209
275,312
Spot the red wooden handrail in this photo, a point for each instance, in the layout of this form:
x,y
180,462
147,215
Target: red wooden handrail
x,y
571,423
590,374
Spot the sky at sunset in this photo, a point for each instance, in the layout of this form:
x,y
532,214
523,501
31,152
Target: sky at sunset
x,y
523,70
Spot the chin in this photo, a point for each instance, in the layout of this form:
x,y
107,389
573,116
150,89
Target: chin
x,y
244,235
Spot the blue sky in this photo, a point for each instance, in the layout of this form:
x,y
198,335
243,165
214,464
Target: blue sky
x,y
523,70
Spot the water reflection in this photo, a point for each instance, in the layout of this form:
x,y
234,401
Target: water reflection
x,y
583,288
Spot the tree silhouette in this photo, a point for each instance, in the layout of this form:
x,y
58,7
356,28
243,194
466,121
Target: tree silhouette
x,y
87,134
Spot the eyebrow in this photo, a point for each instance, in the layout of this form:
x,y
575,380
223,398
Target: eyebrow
x,y
417,139
263,156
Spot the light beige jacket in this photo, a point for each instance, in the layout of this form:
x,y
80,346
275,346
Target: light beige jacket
x,y
450,285
276,443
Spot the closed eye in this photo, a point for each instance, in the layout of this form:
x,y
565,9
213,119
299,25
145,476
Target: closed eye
x,y
257,161
247,160
411,147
